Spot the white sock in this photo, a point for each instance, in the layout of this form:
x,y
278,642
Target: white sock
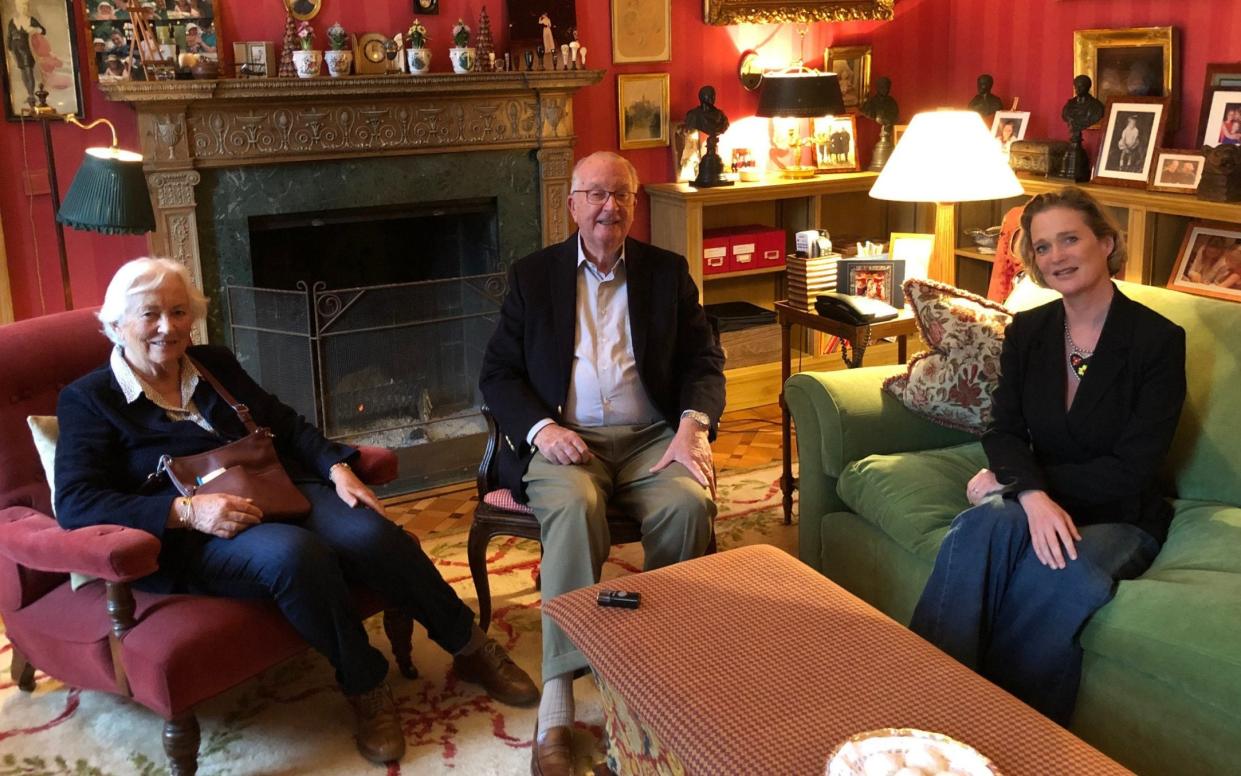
x,y
556,707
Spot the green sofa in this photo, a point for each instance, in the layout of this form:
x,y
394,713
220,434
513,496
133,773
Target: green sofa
x,y
1161,683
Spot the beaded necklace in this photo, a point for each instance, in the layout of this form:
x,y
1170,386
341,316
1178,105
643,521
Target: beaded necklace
x,y
1079,358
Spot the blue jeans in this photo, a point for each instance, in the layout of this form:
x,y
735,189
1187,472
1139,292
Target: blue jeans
x,y
993,606
306,568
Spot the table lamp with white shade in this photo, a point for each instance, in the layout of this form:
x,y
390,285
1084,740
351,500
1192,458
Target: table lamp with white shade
x,y
946,157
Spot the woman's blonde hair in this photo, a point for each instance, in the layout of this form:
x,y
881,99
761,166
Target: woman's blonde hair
x,y
138,276
1097,219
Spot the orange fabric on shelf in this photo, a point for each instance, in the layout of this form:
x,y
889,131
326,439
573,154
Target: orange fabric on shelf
x,y
1007,262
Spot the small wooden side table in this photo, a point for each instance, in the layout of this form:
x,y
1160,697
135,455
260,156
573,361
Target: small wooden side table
x,y
858,338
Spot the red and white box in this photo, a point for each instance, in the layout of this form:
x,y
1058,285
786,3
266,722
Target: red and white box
x,y
715,253
757,247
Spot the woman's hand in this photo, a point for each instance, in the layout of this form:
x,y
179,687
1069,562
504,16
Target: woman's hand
x,y
980,486
352,490
223,515
1050,527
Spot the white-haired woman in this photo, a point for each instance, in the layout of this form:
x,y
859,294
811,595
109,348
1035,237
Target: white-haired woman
x,y
149,400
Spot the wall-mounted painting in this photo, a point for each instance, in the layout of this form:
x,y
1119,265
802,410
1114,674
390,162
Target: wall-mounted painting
x,y
38,46
641,31
805,11
1131,62
852,65
643,110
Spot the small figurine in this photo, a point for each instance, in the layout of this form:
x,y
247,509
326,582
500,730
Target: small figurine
x,y
882,108
549,42
712,122
1082,110
985,103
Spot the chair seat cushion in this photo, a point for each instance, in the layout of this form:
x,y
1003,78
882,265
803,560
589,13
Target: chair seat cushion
x,y
912,497
502,498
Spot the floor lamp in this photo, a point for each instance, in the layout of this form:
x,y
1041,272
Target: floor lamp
x,y
108,194
946,157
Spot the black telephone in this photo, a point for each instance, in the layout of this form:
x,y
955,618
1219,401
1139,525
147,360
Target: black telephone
x,y
854,310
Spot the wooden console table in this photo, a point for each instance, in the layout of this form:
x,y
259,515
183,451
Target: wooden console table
x,y
857,337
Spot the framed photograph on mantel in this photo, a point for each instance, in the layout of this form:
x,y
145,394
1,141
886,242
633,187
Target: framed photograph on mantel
x,y
1133,129
1221,117
642,107
38,46
641,31
1209,263
1177,170
851,64
1132,62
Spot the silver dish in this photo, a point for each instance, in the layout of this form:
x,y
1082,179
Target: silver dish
x,y
849,758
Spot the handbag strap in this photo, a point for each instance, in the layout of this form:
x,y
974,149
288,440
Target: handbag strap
x,y
242,410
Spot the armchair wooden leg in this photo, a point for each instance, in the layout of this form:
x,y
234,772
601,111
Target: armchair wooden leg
x,y
476,552
21,670
399,626
181,738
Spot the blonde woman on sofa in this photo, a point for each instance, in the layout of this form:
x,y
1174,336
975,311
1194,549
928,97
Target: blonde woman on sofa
x,y
1088,400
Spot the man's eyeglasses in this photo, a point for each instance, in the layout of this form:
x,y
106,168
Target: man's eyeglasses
x,y
599,196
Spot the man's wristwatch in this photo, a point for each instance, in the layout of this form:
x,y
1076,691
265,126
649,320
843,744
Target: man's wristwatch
x,y
700,418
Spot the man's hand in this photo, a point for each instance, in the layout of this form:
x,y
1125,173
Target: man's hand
x,y
561,445
980,486
691,448
351,490
1050,527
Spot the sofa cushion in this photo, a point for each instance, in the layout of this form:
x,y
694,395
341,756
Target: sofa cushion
x,y
912,497
951,384
1181,621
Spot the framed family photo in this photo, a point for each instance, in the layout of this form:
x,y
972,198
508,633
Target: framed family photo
x,y
1221,117
643,110
1132,130
1209,263
1009,126
1131,62
835,144
852,65
38,47
641,31
1177,170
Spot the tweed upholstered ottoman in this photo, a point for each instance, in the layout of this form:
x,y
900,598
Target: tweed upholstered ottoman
x,y
749,661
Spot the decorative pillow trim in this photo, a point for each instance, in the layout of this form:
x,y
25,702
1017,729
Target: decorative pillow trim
x,y
898,385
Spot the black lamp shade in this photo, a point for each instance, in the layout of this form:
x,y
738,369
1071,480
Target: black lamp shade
x,y
109,194
800,95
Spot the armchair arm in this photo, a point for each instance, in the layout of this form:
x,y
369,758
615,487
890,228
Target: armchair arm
x,y
111,552
375,465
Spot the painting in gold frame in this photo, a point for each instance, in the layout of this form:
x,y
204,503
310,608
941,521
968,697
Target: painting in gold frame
x,y
642,110
852,65
1130,62
641,31
722,12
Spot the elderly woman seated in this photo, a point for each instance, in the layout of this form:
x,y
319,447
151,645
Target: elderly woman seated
x,y
150,400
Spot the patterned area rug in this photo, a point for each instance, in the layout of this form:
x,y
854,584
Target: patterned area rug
x,y
292,719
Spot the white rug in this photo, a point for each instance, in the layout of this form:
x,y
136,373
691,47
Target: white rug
x,y
293,720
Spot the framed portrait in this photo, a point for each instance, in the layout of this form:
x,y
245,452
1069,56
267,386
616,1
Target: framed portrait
x,y
1133,62
38,45
1209,262
642,107
872,278
1009,126
915,250
641,31
1221,117
1133,129
427,7
721,12
305,10
1177,170
852,65
835,144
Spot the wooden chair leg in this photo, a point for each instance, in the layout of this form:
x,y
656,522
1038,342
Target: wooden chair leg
x,y
21,670
399,626
476,552
181,739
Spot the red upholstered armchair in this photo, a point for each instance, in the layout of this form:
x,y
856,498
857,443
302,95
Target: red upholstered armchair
x,y
166,652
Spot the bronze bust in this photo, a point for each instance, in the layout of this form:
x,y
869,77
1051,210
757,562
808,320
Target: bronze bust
x,y
985,102
712,122
1081,111
882,108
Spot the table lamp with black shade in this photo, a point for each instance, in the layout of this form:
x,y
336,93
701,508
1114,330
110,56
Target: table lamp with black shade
x,y
799,94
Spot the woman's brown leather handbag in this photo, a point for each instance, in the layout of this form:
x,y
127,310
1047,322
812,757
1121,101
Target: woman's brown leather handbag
x,y
248,468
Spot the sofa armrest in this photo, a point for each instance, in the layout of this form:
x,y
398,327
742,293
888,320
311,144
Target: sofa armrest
x,y
375,465
111,552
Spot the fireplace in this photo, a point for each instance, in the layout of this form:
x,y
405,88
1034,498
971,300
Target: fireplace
x,y
354,235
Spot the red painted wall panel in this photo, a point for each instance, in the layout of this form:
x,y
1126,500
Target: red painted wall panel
x,y
933,50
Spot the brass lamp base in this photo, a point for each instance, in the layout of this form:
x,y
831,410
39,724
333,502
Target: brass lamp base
x,y
800,172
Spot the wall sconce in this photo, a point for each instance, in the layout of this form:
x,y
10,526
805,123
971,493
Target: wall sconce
x,y
749,71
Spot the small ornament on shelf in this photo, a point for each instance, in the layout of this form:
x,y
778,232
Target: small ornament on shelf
x,y
339,58
287,46
462,54
308,60
418,55
485,45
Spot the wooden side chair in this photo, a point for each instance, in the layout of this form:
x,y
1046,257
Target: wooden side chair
x,y
500,514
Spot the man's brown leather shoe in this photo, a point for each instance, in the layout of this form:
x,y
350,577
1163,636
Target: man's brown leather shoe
x,y
551,754
490,666
378,733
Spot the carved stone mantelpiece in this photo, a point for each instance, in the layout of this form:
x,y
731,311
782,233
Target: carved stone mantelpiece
x,y
229,123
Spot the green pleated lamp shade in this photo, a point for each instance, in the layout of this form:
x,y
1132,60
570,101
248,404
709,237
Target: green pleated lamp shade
x,y
109,194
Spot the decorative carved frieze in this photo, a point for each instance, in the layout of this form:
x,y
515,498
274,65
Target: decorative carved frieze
x,y
556,167
173,189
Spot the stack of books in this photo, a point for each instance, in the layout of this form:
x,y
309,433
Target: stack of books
x,y
807,278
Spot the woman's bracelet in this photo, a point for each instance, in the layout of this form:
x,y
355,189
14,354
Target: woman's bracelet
x,y
340,464
185,512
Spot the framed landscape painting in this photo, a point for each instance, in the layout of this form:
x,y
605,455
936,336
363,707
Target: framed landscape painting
x,y
643,110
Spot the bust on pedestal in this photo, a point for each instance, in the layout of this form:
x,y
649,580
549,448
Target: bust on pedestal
x,y
712,122
1081,111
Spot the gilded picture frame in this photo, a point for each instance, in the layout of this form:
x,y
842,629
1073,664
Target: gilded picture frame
x,y
641,31
49,44
1130,62
642,110
852,65
723,12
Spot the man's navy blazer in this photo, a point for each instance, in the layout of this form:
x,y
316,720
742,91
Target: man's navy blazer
x,y
108,447
529,361
1100,460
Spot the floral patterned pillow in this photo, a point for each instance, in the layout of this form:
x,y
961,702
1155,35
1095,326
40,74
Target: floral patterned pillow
x,y
951,384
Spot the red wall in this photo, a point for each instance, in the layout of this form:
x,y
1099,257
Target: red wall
x,y
933,50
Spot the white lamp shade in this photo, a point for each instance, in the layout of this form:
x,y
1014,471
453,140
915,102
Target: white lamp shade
x,y
946,156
